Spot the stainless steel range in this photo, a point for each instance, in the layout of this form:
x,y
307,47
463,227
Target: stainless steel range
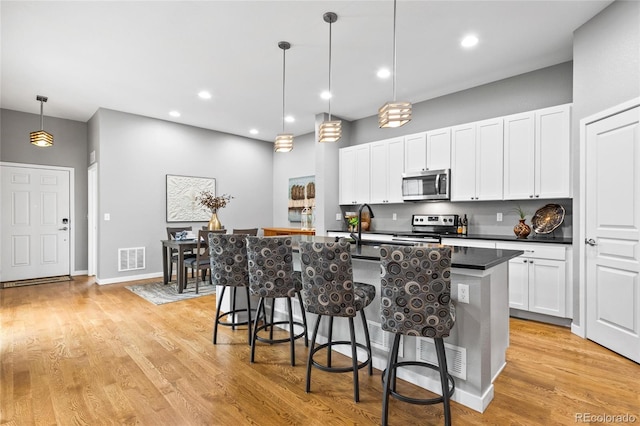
x,y
427,228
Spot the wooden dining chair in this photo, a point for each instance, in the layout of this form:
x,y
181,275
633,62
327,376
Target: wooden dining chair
x,y
201,261
171,235
246,231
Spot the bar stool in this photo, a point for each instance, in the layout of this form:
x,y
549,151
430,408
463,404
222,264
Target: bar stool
x,y
271,276
328,290
415,300
228,254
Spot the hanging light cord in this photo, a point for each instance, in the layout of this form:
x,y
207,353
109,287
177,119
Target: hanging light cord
x,y
394,50
330,93
284,54
41,115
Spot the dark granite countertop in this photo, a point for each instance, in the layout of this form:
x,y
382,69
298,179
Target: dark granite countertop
x,y
533,238
461,257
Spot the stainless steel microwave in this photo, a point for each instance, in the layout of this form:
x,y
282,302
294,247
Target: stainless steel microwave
x,y
426,185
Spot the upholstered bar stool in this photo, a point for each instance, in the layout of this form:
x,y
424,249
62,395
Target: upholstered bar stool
x,y
416,301
271,276
228,254
328,290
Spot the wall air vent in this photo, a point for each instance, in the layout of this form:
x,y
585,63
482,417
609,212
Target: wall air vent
x,y
131,259
456,356
383,339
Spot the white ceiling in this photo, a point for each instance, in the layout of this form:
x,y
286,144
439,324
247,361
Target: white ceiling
x,y
151,57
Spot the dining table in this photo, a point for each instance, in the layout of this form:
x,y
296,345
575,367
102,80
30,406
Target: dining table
x,y
182,246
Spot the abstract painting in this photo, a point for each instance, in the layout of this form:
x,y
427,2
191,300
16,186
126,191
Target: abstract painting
x,y
182,191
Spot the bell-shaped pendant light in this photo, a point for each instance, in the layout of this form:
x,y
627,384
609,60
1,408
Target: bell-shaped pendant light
x,y
394,114
330,130
41,138
284,141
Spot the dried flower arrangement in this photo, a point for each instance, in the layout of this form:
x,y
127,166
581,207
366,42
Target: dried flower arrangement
x,y
206,199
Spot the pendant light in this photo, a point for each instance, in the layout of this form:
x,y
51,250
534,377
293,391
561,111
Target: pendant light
x,y
284,141
394,114
41,138
330,131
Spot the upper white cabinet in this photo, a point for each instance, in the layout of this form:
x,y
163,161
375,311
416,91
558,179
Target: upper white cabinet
x,y
354,174
476,161
428,150
537,154
387,166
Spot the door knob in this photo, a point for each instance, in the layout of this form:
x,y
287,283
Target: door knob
x,y
64,228
590,241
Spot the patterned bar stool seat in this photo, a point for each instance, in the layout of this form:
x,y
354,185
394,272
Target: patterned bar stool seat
x,y
228,254
271,276
416,301
328,290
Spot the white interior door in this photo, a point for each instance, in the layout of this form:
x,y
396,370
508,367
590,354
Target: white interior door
x,y
613,232
35,223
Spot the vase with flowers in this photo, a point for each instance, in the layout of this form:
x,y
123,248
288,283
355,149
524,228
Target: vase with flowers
x,y
522,230
213,203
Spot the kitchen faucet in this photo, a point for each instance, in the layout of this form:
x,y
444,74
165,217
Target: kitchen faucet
x,y
359,237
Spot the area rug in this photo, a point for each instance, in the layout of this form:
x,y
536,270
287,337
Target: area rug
x,y
159,293
35,281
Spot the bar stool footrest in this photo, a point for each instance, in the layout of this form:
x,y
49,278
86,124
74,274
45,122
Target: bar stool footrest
x,y
419,401
344,369
265,326
233,324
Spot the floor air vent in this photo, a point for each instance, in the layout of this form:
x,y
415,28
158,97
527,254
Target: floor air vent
x,y
456,356
383,339
130,259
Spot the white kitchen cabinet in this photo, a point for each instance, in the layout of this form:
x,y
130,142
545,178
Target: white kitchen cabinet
x,y
537,162
476,161
354,166
428,150
538,278
387,166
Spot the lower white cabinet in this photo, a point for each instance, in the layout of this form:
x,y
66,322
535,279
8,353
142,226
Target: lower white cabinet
x,y
538,278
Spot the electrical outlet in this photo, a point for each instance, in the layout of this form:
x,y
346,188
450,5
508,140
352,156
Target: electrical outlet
x,y
395,216
107,216
463,293
499,217
338,216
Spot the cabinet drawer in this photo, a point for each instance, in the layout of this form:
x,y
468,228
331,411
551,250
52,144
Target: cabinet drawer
x,y
536,251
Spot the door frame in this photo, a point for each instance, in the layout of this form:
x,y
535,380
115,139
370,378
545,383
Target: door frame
x,y
92,220
72,218
581,329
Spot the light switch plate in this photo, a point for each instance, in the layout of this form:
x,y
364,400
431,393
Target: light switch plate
x,y
395,216
499,217
107,216
338,216
463,293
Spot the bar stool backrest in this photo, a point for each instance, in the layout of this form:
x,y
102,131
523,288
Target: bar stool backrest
x,y
327,278
228,254
270,262
415,291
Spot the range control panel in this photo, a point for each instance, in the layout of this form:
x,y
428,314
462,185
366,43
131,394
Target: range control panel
x,y
434,220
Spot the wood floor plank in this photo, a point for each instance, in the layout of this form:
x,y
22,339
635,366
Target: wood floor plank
x,y
79,353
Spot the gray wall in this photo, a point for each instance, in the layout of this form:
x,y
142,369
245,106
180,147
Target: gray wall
x,y
606,55
69,150
537,89
134,155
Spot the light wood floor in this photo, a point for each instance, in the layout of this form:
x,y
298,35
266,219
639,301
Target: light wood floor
x,y
78,353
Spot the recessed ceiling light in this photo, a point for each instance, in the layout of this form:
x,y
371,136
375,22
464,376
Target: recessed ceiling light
x,y
325,95
384,73
254,131
289,119
174,113
204,95
469,41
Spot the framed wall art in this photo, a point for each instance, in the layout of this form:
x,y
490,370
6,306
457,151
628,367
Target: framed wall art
x,y
302,193
182,191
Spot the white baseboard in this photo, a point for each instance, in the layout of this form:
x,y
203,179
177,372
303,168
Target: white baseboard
x,y
116,280
578,330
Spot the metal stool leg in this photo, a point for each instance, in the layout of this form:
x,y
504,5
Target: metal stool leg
x,y
217,320
291,334
391,366
249,315
304,321
310,358
367,339
255,329
354,361
444,379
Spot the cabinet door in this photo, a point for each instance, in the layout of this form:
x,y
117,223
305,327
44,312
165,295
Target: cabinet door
x,y
395,149
547,287
379,172
362,177
519,283
439,149
463,163
553,152
415,148
489,145
347,163
519,151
